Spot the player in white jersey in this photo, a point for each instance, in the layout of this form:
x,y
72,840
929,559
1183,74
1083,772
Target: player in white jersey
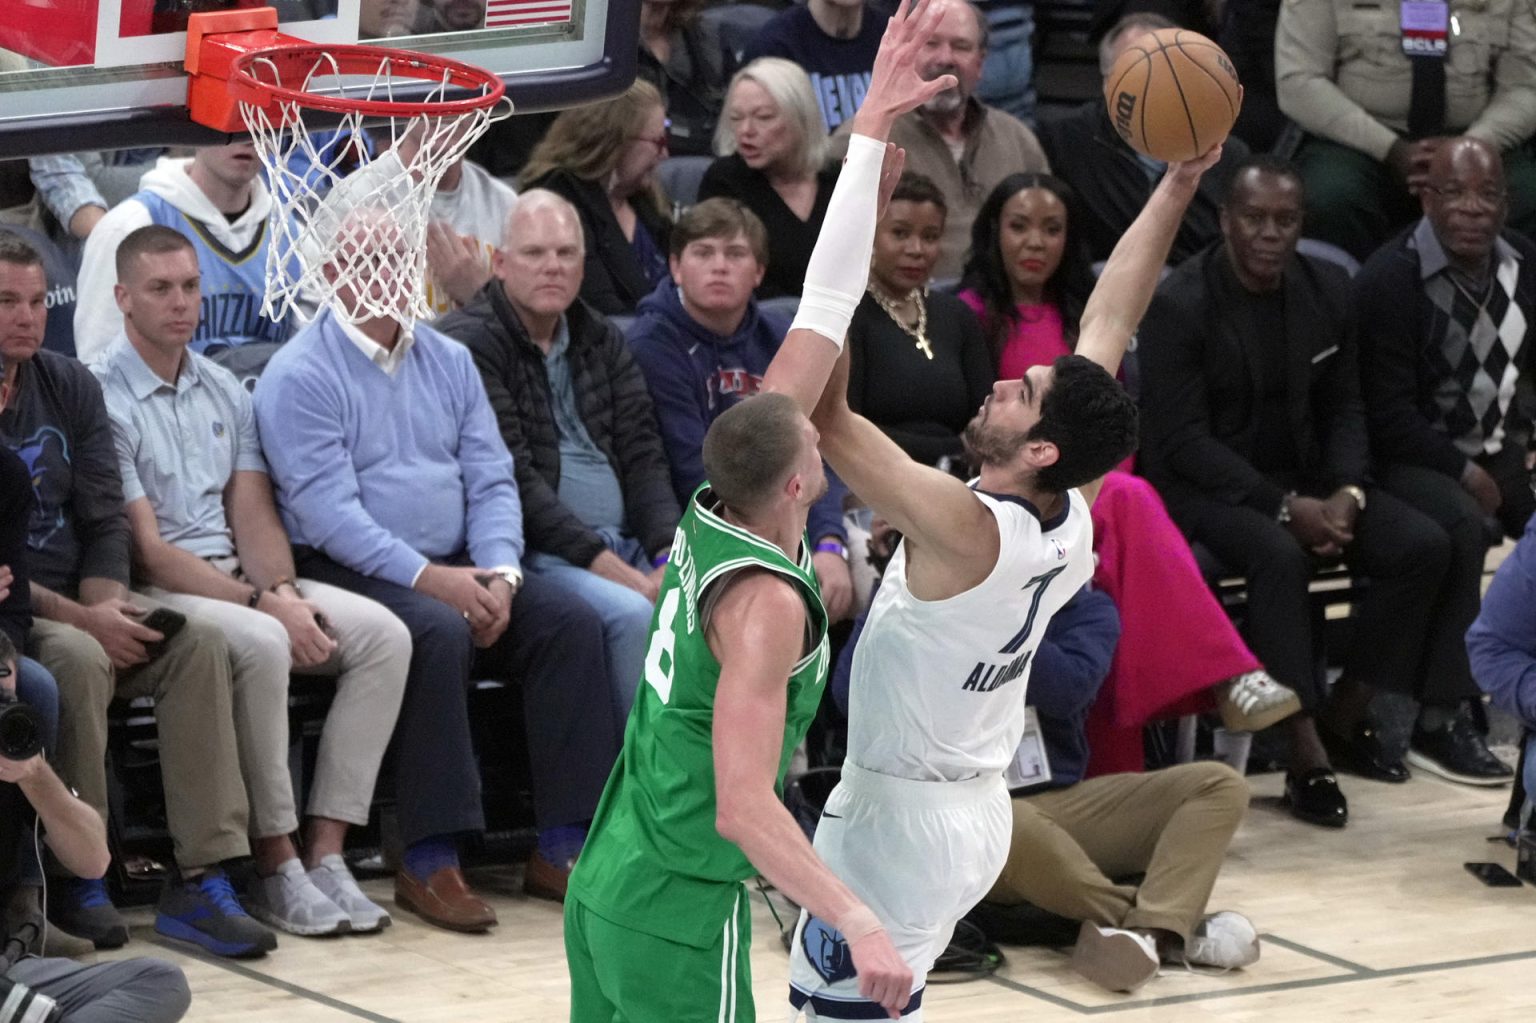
x,y
919,826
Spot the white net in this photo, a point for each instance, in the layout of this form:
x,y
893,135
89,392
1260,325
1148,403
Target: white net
x,y
351,203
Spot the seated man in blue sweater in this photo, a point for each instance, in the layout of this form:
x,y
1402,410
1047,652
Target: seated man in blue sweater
x,y
704,344
394,482
1072,836
1502,646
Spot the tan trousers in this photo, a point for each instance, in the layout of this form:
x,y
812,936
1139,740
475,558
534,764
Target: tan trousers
x,y
190,682
1173,824
372,657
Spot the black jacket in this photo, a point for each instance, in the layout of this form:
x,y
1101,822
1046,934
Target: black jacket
x,y
1198,385
1399,330
1113,185
614,405
614,283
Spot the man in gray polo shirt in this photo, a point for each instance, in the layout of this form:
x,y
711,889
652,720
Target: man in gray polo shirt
x,y
208,540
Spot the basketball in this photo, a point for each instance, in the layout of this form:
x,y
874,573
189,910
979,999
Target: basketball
x,y
1173,94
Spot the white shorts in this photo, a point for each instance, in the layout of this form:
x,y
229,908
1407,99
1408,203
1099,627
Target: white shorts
x,y
919,854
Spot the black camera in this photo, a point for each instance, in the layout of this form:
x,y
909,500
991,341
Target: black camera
x,y
21,730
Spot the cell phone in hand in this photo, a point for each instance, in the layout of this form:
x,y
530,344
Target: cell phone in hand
x,y
1493,875
166,622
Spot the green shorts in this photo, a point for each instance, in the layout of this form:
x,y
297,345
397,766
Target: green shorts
x,y
621,975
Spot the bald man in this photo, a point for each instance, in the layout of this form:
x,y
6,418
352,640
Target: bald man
x,y
1447,367
598,506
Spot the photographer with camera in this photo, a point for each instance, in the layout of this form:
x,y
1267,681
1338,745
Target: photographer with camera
x,y
36,806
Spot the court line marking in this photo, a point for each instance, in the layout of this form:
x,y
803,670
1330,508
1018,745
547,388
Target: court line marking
x,y
239,969
1358,973
1312,953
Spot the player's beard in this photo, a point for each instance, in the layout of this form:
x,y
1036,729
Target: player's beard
x,y
991,445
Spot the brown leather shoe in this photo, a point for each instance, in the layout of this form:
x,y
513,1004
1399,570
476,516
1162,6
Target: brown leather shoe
x,y
543,880
445,900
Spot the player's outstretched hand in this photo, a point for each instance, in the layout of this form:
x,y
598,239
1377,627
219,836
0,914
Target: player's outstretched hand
x,y
884,977
895,85
890,174
1189,171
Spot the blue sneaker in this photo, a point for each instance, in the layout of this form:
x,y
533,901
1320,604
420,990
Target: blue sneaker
x,y
205,912
83,908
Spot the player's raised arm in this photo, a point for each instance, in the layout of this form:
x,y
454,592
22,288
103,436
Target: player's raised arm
x,y
1124,289
838,270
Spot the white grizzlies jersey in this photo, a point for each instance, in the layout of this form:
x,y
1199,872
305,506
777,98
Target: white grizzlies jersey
x,y
937,689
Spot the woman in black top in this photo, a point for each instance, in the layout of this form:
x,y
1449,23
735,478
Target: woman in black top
x,y
919,366
603,158
687,67
773,151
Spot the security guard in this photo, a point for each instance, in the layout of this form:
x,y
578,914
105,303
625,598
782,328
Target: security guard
x,y
1378,84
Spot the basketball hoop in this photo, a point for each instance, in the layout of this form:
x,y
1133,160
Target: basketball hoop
x,y
352,188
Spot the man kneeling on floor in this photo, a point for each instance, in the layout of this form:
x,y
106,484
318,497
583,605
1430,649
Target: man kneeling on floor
x,y
1071,836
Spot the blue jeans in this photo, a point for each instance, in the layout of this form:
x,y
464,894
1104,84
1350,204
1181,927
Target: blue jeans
x,y
625,614
1008,75
34,686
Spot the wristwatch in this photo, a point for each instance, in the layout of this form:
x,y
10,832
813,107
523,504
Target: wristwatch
x,y
1357,494
513,576
1283,516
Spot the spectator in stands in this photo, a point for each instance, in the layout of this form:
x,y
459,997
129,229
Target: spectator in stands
x,y
59,269
835,42
598,508
919,366
393,483
703,344
79,188
1112,179
1447,366
956,141
468,210
1008,74
1072,837
1254,433
90,635
1450,374
1502,645
218,199
449,16
688,69
773,160
143,990
386,19
1374,116
1028,281
602,158
207,541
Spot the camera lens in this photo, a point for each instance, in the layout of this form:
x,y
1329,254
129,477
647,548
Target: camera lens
x,y
21,732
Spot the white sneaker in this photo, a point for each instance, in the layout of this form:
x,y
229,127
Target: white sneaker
x,y
336,883
1254,701
1115,960
289,900
1225,940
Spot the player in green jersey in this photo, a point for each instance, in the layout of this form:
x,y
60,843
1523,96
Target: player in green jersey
x,y
657,928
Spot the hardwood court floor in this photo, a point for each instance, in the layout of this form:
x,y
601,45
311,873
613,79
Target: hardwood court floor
x,y
1378,920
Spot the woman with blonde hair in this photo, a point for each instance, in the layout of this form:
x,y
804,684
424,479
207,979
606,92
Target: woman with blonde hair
x,y
602,157
773,153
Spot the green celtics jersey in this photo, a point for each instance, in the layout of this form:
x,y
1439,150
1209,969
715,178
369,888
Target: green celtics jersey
x,y
653,860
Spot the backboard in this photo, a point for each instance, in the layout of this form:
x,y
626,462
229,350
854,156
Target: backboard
x,y
107,74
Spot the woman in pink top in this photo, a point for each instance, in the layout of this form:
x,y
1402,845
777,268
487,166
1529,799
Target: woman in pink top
x,y
1027,279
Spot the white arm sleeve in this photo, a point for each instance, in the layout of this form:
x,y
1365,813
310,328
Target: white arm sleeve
x,y
838,270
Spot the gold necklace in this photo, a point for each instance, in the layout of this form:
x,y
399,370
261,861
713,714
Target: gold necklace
x,y
920,334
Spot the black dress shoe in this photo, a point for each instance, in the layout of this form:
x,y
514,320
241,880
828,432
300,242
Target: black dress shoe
x,y
1314,797
1363,754
1457,752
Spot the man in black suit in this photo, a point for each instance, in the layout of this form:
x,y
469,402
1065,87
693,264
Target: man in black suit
x,y
1254,433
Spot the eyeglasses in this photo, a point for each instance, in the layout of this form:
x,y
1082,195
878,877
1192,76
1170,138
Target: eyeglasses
x,y
659,141
1486,198
5,671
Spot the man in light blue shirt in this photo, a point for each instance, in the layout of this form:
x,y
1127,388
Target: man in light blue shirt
x,y
394,483
208,542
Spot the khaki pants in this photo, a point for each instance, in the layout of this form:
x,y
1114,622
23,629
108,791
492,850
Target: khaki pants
x,y
373,655
1174,824
190,682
